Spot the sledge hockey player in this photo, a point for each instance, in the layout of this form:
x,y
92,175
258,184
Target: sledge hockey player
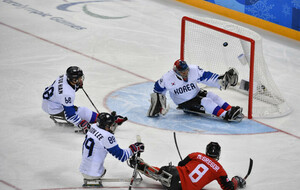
x,y
59,97
192,173
99,141
181,82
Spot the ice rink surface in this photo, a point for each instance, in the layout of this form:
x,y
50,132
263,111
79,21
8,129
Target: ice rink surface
x,y
120,44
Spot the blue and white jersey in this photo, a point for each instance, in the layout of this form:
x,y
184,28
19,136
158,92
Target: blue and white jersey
x,y
60,96
97,144
181,91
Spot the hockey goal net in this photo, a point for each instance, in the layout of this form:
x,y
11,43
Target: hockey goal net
x,y
216,46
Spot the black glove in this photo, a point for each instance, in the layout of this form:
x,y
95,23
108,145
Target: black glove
x,y
137,147
118,118
84,125
241,182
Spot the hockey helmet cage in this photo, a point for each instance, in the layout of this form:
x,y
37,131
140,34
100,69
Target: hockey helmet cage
x,y
181,69
105,119
213,150
74,73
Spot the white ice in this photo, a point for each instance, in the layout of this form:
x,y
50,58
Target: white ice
x,y
35,48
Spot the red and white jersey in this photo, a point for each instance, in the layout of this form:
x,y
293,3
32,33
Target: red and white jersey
x,y
200,171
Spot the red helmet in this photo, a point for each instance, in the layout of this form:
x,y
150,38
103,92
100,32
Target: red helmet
x,y
181,69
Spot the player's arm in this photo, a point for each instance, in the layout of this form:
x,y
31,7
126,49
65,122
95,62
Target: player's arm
x,y
184,161
119,153
72,117
159,87
208,78
158,103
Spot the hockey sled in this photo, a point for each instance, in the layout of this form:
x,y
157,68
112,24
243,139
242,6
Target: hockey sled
x,y
61,121
239,118
98,182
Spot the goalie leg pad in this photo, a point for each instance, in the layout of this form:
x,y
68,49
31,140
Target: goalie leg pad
x,y
158,104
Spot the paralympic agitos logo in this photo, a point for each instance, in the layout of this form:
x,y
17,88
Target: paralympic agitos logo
x,y
84,6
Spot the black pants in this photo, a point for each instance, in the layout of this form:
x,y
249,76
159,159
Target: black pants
x,y
194,104
175,181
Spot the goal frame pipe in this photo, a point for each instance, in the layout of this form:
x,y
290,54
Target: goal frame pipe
x,y
252,43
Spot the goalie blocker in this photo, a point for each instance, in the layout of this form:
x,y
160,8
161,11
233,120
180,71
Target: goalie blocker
x,y
158,105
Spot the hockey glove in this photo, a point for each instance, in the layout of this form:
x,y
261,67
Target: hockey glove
x,y
229,78
120,119
84,125
238,182
137,147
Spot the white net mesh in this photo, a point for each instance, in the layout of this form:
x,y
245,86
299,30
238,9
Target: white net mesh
x,y
216,51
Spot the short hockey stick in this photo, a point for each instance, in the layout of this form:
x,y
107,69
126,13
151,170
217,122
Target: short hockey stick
x,y
250,168
90,100
177,145
134,174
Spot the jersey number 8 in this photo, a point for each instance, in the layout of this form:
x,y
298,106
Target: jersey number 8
x,y
198,173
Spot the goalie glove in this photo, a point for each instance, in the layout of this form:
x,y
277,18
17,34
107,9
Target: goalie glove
x,y
229,78
158,105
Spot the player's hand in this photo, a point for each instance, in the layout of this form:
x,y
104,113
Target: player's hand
x,y
137,147
241,182
84,125
120,119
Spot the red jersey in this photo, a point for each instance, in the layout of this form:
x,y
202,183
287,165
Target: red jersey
x,y
200,171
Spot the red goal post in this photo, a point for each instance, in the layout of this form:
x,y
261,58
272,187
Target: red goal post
x,y
217,45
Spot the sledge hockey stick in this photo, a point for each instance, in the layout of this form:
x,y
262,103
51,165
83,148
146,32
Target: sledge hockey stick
x,y
250,169
177,145
90,100
134,174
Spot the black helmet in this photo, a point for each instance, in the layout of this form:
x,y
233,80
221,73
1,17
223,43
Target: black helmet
x,y
74,73
213,150
105,119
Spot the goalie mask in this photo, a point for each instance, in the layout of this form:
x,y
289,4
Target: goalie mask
x,y
213,150
181,69
106,121
75,75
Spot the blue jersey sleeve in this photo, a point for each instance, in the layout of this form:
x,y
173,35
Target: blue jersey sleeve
x,y
210,79
120,154
158,88
71,116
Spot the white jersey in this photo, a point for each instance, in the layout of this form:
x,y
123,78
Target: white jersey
x,y
97,144
181,91
60,96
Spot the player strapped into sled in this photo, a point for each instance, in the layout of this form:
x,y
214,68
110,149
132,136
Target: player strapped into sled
x,y
182,85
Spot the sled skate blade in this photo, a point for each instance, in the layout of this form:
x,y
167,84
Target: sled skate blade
x,y
58,120
92,183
